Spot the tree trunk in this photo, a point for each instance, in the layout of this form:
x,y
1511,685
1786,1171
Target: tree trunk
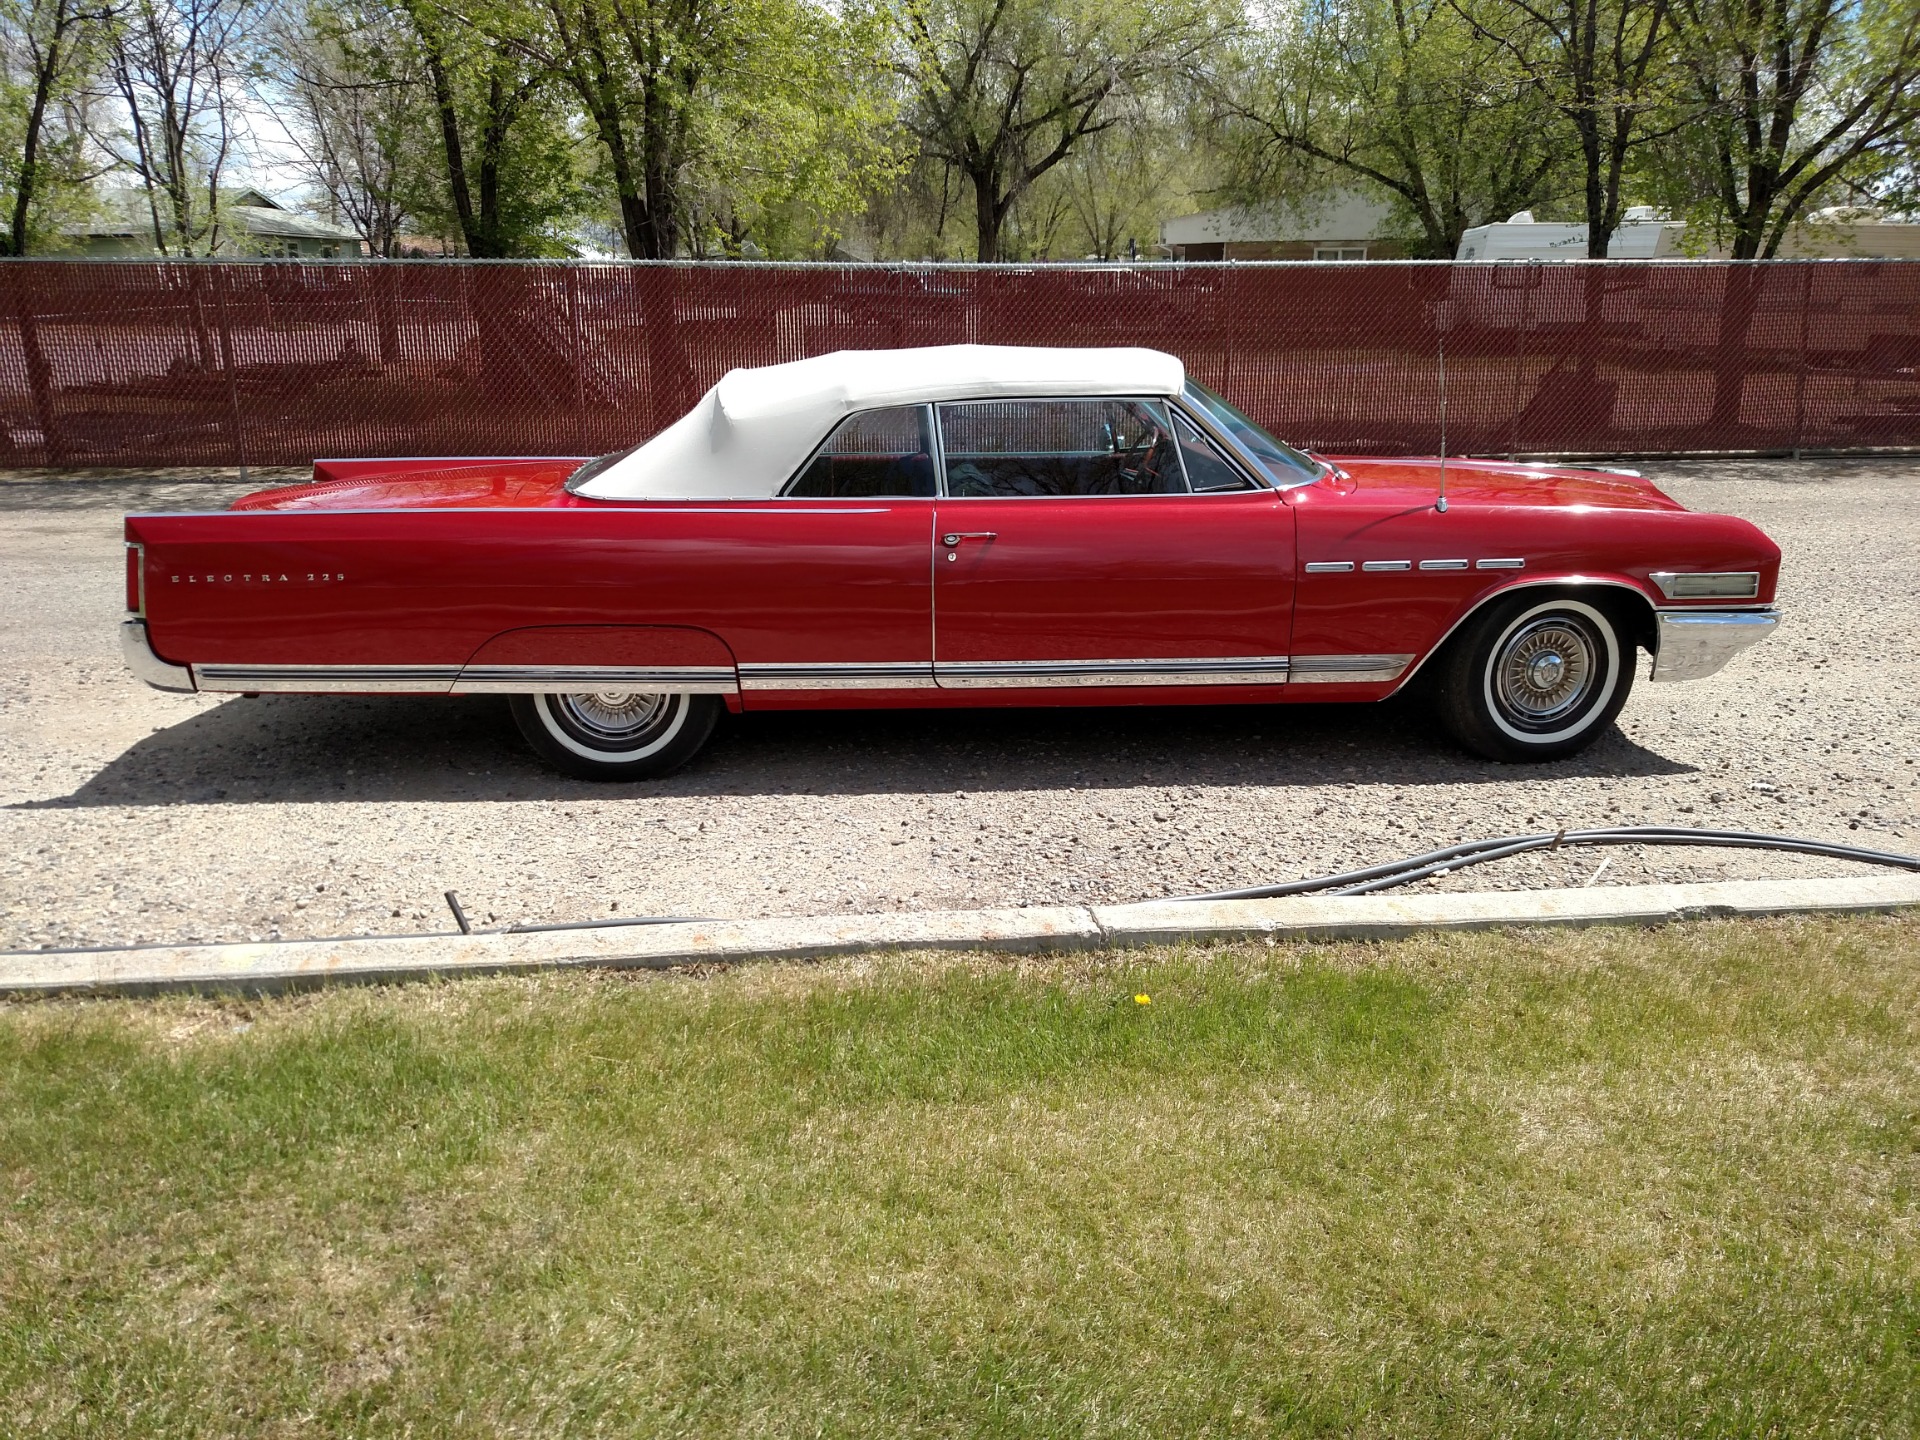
x,y
1730,353
39,372
30,147
386,303
989,215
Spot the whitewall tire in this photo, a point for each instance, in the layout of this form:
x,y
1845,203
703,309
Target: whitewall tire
x,y
616,735
1536,677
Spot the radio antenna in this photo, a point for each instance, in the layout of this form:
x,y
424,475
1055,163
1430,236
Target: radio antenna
x,y
1441,336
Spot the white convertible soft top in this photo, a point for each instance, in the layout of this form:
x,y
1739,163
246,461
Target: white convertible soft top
x,y
750,432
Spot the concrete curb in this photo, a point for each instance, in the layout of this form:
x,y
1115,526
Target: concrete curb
x,y
306,963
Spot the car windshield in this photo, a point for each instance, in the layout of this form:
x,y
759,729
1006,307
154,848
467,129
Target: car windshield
x,y
1284,465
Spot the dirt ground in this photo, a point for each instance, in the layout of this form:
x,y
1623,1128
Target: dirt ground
x,y
127,815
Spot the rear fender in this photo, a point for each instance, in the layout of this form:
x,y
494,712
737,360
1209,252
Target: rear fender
x,y
543,659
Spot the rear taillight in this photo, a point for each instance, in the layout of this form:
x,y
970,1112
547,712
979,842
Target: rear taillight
x,y
136,578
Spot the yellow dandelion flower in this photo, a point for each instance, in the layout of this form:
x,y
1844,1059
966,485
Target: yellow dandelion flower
x,y
1143,1000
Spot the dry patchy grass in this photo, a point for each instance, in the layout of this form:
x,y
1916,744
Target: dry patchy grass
x,y
1533,1183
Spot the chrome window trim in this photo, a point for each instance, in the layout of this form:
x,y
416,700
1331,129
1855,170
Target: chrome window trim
x,y
928,430
937,434
1231,450
1259,473
136,648
940,439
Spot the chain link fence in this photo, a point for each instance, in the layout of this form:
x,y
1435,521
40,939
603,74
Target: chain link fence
x,y
135,363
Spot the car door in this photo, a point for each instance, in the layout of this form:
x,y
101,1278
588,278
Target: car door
x,y
1103,542
829,585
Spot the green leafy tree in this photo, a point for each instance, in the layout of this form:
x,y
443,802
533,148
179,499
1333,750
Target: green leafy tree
x,y
1789,104
1409,97
511,176
50,51
178,69
793,143
714,117
1003,91
1601,64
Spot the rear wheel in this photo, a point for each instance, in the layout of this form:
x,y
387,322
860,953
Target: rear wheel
x,y
1535,679
616,735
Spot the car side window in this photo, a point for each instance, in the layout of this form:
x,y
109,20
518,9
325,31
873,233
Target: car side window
x,y
871,455
1207,470
1008,448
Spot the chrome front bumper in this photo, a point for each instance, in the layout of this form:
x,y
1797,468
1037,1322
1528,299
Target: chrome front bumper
x,y
148,666
1696,643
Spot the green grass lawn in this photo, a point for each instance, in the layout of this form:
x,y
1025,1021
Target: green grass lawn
x,y
1606,1182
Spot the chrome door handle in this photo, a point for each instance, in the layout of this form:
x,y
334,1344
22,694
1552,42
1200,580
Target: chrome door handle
x,y
958,535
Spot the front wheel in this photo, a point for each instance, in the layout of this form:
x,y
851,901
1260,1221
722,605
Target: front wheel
x,y
618,735
1535,679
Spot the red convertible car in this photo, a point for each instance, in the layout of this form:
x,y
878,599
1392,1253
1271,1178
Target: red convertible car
x,y
963,525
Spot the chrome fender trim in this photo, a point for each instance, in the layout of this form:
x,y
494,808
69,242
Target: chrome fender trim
x,y
1571,581
1697,643
147,666
466,679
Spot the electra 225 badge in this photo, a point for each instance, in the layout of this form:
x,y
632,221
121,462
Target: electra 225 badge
x,y
263,577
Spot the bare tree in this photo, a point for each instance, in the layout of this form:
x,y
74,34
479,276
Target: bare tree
x,y
356,106
177,68
1004,90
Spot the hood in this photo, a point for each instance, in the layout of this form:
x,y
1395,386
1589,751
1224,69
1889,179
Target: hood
x,y
1497,483
422,485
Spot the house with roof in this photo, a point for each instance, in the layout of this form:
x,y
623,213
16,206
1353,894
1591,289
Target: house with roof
x,y
1836,233
257,225
1345,226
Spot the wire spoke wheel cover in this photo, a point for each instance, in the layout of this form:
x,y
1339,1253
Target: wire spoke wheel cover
x,y
616,734
609,725
1545,669
1536,678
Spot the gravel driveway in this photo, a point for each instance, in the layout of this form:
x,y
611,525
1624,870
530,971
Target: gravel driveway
x,y
127,815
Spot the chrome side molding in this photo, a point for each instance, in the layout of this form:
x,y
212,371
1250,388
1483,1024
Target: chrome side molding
x,y
465,679
1049,674
838,675
1348,669
1693,644
147,666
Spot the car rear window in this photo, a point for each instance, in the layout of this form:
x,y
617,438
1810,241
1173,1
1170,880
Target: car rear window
x,y
874,454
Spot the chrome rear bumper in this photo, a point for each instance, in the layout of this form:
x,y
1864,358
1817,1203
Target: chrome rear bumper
x,y
148,666
1696,643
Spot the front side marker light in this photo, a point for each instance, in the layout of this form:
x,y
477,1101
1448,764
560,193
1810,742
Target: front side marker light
x,y
1708,584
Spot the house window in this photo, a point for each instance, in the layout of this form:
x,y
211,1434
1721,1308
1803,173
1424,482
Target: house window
x,y
1339,252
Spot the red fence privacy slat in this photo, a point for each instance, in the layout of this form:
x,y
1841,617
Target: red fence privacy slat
x,y
273,363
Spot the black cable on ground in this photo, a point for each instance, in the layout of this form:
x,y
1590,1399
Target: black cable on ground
x,y
1479,852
